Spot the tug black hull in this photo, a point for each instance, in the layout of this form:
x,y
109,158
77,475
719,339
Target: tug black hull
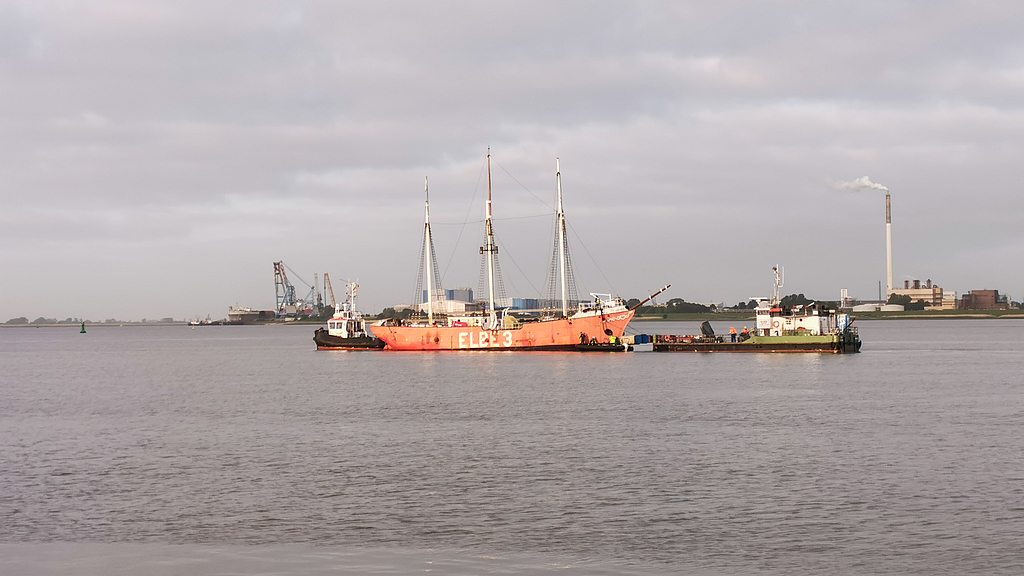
x,y
325,341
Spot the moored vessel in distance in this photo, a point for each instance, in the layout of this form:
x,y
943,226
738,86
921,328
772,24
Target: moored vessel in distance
x,y
238,316
594,325
346,330
207,322
809,328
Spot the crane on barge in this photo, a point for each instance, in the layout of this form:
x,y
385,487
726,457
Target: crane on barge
x,y
287,303
330,290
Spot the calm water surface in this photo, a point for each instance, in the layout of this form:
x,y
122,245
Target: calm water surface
x,y
242,450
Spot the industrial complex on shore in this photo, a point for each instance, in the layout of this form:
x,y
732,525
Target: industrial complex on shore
x,y
912,295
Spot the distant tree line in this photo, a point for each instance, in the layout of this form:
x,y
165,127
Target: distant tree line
x,y
404,313
905,301
680,306
673,306
42,320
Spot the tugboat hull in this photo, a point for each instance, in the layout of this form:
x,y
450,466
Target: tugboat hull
x,y
325,341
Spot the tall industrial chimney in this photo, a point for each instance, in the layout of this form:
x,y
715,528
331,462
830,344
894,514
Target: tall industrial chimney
x,y
888,246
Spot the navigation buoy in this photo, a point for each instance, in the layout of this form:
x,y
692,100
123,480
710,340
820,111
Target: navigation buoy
x,y
82,331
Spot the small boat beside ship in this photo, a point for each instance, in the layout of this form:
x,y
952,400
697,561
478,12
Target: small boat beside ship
x,y
807,328
346,330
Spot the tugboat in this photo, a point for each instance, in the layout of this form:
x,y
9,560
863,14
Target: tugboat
x,y
805,328
346,330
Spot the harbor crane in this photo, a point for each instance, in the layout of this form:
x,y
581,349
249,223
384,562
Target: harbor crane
x,y
329,290
287,303
284,292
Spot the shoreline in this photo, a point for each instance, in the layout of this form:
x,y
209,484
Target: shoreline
x,y
862,316
162,324
719,317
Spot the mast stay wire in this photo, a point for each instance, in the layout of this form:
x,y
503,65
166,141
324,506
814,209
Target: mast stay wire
x,y
492,219
567,223
542,201
523,185
539,199
418,289
476,190
592,259
516,264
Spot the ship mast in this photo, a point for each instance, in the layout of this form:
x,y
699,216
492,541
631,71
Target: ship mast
x,y
561,240
427,258
490,249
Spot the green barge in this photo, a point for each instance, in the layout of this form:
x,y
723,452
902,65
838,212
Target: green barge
x,y
847,341
802,328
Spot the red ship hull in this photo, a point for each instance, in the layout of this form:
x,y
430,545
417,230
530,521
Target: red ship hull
x,y
559,334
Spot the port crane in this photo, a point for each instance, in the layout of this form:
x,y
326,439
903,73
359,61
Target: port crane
x,y
330,290
284,291
314,300
287,303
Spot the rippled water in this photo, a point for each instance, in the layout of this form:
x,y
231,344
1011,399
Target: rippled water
x,y
166,450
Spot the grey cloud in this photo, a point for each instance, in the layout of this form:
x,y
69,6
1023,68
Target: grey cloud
x,y
691,134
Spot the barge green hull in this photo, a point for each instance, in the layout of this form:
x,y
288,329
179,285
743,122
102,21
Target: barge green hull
x,y
848,343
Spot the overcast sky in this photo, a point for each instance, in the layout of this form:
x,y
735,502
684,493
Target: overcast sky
x,y
158,157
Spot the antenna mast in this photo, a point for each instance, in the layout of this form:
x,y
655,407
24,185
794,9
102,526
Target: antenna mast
x,y
779,281
490,249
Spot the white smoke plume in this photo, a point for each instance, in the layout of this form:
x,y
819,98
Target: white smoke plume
x,y
858,184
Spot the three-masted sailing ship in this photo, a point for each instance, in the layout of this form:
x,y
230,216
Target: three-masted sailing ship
x,y
596,324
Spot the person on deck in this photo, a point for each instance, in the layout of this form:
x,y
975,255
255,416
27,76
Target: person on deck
x,y
732,332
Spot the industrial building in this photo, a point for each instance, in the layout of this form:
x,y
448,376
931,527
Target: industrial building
x,y
985,300
932,295
453,295
453,301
